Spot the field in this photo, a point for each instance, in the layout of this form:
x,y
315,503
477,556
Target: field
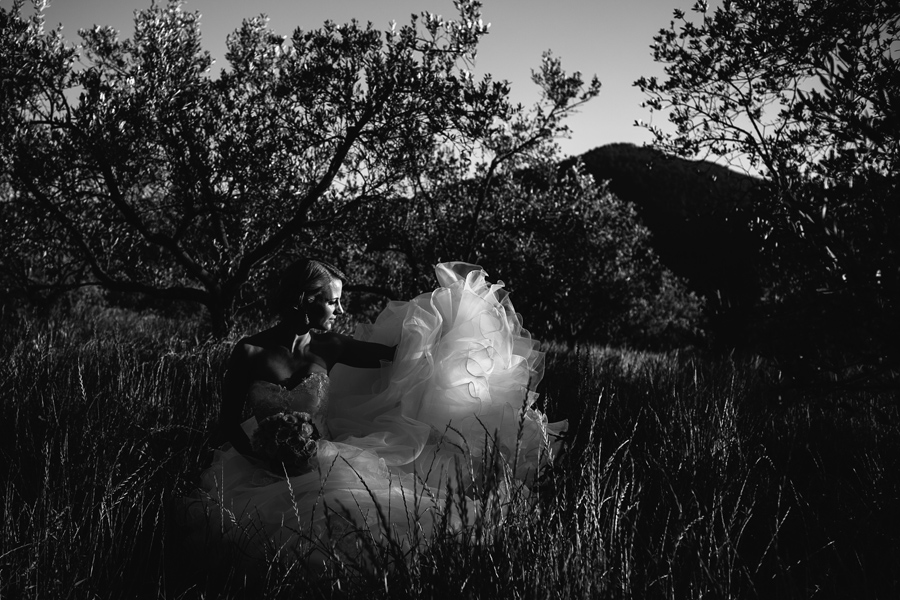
x,y
686,476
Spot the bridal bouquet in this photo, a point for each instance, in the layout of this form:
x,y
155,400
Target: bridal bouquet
x,y
287,437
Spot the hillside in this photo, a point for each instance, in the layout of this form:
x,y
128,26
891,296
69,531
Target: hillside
x,y
693,209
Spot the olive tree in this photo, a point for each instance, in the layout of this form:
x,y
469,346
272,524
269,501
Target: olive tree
x,y
127,165
805,94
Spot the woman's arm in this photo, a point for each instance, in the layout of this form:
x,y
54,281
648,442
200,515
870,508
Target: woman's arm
x,y
355,353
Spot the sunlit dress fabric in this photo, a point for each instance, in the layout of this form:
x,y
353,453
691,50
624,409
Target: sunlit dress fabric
x,y
395,440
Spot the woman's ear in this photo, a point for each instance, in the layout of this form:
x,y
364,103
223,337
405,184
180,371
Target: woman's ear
x,y
303,312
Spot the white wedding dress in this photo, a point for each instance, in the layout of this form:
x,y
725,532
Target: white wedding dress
x,y
401,445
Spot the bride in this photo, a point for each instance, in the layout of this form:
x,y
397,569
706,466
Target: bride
x,y
375,441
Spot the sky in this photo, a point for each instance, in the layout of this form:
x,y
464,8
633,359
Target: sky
x,y
607,38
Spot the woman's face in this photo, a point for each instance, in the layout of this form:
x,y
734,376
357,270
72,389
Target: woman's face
x,y
326,306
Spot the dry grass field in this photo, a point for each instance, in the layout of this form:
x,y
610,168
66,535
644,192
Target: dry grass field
x,y
685,476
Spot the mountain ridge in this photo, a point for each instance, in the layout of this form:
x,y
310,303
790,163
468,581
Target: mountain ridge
x,y
695,211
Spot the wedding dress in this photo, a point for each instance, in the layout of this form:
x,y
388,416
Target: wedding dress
x,y
401,445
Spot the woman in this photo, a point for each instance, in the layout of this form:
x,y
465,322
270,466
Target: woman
x,y
300,348
404,444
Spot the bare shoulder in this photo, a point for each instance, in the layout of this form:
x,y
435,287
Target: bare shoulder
x,y
256,343
246,348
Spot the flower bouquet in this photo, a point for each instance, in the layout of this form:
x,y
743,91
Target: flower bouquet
x,y
287,438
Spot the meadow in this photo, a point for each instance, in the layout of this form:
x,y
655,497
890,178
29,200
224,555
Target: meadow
x,y
686,475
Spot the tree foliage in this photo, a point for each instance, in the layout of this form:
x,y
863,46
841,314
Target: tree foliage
x,y
807,94
159,179
577,259
128,166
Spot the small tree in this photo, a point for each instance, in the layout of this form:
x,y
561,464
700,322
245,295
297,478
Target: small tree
x,y
806,94
161,180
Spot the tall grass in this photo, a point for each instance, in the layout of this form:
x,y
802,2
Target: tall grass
x,y
686,476
99,427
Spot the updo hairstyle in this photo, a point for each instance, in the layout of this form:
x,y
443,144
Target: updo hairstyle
x,y
305,278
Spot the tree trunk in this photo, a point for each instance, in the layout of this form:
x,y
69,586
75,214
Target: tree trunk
x,y
221,317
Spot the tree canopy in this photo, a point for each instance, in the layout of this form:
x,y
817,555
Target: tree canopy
x,y
129,166
806,94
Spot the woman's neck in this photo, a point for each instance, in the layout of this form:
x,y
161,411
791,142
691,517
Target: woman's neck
x,y
293,338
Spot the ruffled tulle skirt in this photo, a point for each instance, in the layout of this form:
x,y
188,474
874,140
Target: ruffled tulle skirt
x,y
410,445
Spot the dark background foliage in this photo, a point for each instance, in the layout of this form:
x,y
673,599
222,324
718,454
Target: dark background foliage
x,y
378,151
127,167
804,94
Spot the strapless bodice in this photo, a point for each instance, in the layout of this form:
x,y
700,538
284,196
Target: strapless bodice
x,y
310,395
